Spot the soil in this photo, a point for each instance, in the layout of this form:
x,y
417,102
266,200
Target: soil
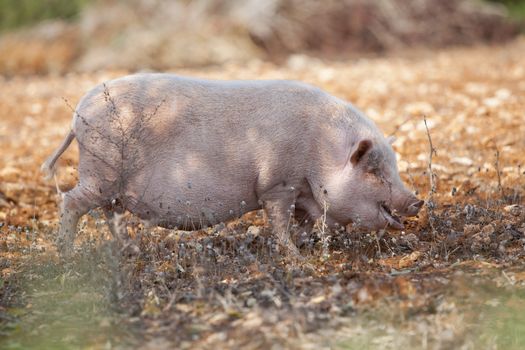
x,y
453,278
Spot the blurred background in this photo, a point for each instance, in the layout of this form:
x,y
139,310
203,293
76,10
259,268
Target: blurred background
x,y
57,36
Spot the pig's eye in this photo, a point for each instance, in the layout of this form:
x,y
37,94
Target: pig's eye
x,y
375,174
376,171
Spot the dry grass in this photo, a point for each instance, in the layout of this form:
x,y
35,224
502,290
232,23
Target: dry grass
x,y
456,285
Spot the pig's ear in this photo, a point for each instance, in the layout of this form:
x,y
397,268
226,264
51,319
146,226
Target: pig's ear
x,y
363,147
391,139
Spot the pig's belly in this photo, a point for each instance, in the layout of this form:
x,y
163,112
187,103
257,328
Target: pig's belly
x,y
190,205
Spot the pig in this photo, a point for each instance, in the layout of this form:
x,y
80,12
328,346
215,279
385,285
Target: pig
x,y
188,153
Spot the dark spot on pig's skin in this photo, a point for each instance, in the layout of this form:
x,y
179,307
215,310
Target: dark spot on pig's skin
x,y
284,183
325,192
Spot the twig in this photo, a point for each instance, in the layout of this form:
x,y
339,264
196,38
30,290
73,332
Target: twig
x,y
84,120
517,196
324,238
431,153
400,125
498,172
430,202
377,242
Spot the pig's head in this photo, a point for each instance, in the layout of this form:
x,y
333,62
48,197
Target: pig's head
x,y
367,189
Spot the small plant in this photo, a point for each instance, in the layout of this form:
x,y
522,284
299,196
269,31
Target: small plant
x,y
19,13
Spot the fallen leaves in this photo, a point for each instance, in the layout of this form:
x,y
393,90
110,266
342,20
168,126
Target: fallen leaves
x,y
401,262
514,209
409,260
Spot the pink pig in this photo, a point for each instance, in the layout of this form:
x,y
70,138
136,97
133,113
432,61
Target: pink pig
x,y
189,153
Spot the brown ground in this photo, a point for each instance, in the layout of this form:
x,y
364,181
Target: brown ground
x,y
454,278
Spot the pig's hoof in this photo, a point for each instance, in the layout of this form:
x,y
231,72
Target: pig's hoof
x,y
65,254
301,262
293,254
130,249
307,267
65,249
289,249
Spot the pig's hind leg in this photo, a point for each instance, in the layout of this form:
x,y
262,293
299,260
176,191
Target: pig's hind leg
x,y
117,225
75,203
119,230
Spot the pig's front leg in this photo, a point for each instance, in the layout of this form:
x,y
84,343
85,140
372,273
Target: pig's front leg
x,y
304,220
305,226
280,207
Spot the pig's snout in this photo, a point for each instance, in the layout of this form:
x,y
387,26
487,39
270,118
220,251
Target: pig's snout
x,y
413,206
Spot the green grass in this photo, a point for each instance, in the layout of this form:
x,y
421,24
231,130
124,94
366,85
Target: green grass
x,y
516,8
20,13
65,306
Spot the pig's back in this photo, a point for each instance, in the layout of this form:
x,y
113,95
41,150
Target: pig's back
x,y
164,115
175,104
